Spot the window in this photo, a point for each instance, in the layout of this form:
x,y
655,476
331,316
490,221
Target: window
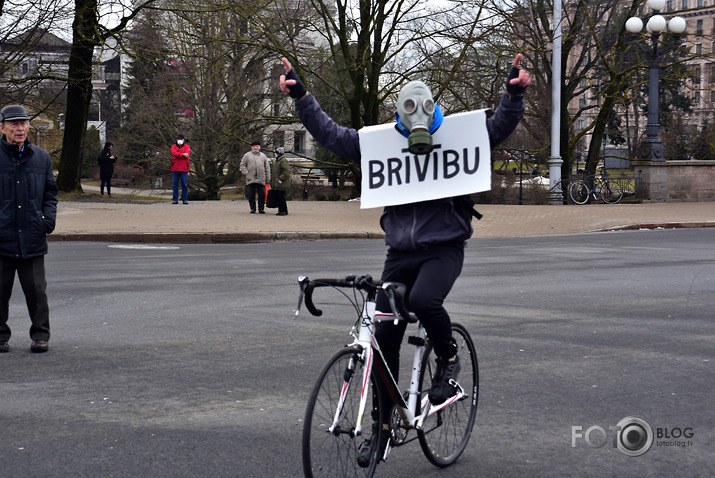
x,y
278,138
699,49
696,75
299,142
669,6
712,96
696,98
685,4
699,28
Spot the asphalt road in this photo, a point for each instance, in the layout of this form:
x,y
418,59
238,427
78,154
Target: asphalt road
x,y
186,361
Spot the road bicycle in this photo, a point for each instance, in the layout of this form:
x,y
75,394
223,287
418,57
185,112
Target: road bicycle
x,y
345,408
597,187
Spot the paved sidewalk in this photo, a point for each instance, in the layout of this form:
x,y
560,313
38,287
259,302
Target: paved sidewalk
x,y
229,220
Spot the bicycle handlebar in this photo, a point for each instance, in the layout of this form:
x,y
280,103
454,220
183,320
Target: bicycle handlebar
x,y
394,290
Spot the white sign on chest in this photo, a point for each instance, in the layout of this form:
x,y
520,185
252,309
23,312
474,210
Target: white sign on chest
x,y
459,164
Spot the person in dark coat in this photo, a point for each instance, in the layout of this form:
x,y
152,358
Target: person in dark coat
x,y
106,162
28,210
280,180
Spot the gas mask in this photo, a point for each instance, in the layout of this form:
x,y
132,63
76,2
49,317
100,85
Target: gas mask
x,y
417,116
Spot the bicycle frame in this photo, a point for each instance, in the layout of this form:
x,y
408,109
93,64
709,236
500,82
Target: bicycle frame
x,y
371,355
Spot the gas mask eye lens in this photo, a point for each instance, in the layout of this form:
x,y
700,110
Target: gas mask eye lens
x,y
428,106
409,106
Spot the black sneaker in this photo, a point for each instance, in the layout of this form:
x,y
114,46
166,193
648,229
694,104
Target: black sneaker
x,y
366,450
441,389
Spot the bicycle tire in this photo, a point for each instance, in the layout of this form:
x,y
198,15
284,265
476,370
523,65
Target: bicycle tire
x,y
611,192
579,193
445,435
335,454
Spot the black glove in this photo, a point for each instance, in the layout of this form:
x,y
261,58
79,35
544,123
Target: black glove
x,y
298,90
514,90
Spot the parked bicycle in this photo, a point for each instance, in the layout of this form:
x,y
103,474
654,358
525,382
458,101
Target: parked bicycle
x,y
345,409
596,187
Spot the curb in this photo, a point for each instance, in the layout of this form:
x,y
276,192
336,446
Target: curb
x,y
210,237
658,225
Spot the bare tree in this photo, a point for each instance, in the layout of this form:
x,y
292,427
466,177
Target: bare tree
x,y
90,30
27,73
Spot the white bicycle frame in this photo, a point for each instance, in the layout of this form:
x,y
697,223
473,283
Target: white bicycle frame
x,y
366,342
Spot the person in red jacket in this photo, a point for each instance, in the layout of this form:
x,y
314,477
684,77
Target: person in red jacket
x,y
180,152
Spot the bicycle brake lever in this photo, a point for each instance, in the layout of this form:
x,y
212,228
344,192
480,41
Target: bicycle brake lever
x,y
302,282
390,293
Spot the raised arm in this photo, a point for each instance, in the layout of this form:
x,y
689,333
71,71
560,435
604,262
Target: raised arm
x,y
511,108
338,139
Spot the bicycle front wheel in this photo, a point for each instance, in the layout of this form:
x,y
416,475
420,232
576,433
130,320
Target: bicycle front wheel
x,y
445,435
330,446
578,192
611,192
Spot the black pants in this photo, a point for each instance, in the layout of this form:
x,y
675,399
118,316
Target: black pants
x,y
108,183
281,200
31,273
429,276
252,190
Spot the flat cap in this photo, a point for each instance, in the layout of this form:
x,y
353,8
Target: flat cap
x,y
13,112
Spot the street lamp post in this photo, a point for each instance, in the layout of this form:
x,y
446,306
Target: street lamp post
x,y
653,146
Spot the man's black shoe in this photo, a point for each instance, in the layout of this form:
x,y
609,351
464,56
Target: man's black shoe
x,y
441,389
4,347
39,346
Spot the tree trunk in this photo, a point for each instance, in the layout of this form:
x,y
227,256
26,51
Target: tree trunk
x,y
79,94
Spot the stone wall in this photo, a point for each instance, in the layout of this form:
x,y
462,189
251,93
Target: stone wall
x,y
672,180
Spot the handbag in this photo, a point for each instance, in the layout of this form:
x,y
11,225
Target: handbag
x,y
272,198
266,188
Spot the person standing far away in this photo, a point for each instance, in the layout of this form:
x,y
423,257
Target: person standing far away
x,y
180,152
280,180
106,162
256,169
28,210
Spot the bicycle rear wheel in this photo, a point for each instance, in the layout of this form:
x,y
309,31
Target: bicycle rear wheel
x,y
611,192
578,192
334,453
445,435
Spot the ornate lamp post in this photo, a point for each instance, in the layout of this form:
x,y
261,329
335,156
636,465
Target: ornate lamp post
x,y
653,146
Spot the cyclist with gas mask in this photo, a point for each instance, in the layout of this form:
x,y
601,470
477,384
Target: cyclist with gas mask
x,y
425,239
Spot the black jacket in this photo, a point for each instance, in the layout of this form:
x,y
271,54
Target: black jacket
x,y
106,164
28,200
